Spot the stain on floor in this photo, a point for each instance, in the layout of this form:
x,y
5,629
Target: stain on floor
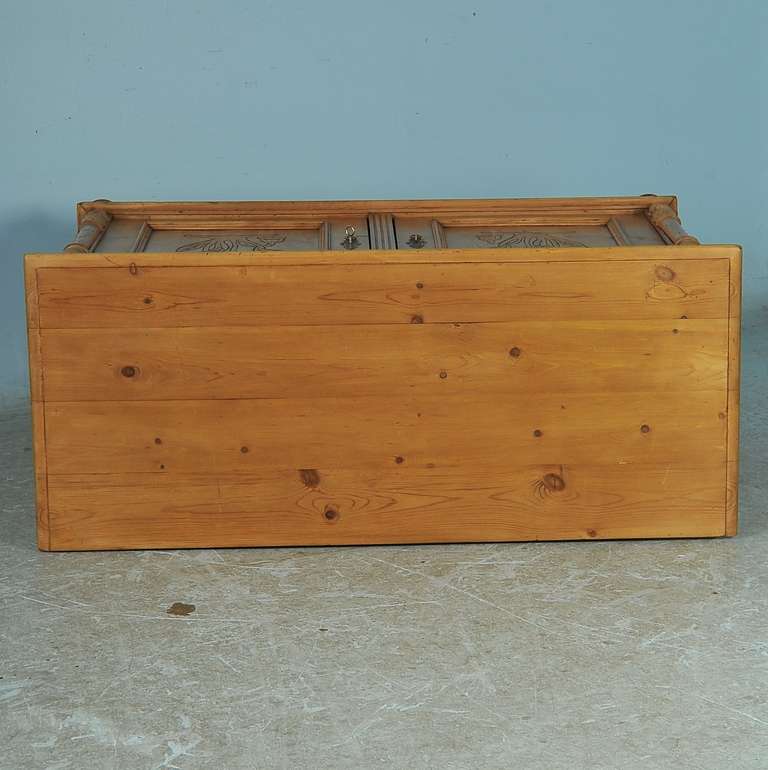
x,y
180,608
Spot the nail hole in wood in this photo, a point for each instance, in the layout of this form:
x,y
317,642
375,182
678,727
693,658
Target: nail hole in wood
x,y
645,428
158,441
419,285
592,532
515,352
538,433
399,460
443,374
417,319
129,371
147,300
244,450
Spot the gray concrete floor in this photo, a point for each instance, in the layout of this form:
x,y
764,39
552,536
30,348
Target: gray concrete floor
x,y
549,655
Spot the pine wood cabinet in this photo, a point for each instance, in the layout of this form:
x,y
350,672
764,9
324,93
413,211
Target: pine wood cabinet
x,y
301,373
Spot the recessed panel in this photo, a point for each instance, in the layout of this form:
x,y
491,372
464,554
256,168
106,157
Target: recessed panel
x,y
348,234
233,240
527,237
435,234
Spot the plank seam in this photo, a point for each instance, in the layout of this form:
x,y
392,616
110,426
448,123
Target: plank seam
x,y
127,329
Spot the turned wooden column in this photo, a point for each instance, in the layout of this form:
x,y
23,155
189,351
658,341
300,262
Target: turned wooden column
x,y
664,219
93,226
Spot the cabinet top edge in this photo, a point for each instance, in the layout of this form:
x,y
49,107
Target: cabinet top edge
x,y
423,207
111,260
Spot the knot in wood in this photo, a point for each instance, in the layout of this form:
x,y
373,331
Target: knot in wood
x,y
664,273
553,482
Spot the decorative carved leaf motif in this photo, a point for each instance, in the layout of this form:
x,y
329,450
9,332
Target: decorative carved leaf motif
x,y
255,242
526,239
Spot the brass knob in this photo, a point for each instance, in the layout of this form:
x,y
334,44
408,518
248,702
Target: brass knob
x,y
350,241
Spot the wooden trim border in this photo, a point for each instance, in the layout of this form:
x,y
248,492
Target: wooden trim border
x,y
573,209
734,379
37,394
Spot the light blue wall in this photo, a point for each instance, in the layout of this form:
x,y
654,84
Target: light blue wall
x,y
244,99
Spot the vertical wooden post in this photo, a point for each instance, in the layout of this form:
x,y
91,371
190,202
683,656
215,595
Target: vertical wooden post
x,y
664,219
93,226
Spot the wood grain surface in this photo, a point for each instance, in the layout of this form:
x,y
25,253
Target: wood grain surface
x,y
399,504
374,359
473,430
398,293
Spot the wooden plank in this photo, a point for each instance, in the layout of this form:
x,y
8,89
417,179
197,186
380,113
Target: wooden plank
x,y
333,361
734,379
659,255
442,429
400,505
406,293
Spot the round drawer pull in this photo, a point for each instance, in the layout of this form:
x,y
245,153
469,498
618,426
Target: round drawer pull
x,y
351,241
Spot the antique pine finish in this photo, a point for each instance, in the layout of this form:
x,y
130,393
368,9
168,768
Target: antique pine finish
x,y
295,373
